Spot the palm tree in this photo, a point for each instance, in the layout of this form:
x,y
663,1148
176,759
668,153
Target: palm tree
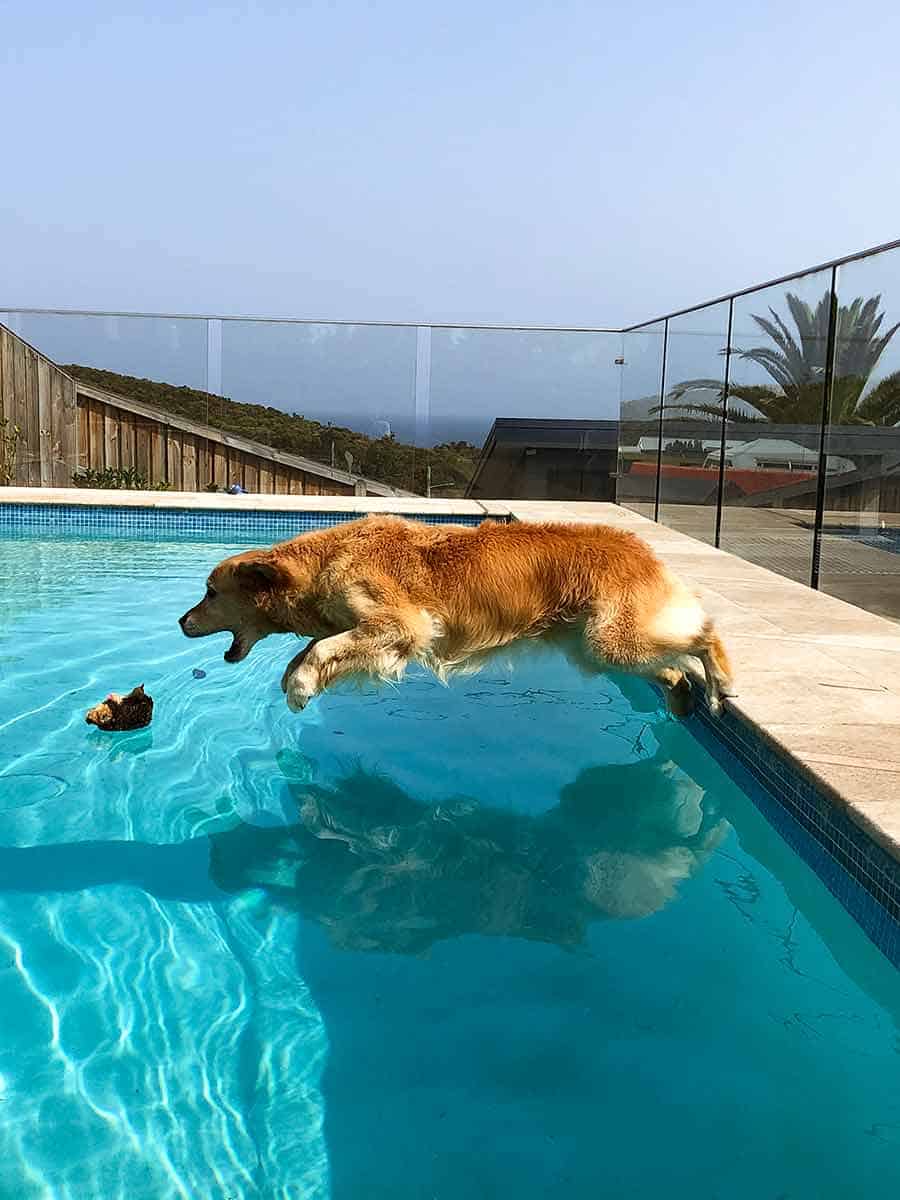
x,y
796,364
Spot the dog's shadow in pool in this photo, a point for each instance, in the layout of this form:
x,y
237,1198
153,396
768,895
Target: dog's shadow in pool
x,y
382,871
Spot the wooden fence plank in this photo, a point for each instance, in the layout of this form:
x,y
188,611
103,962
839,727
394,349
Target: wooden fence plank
x,y
26,417
98,437
73,455
5,410
176,453
142,449
189,464
60,468
41,370
202,464
111,438
251,475
8,408
220,466
157,453
35,436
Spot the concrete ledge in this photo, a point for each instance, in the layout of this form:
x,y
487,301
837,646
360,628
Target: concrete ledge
x,y
249,502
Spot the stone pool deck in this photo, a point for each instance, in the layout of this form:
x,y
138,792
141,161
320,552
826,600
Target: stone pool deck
x,y
817,678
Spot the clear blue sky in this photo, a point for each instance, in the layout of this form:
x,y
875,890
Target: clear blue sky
x,y
560,162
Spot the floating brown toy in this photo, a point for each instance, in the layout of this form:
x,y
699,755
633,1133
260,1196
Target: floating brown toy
x,y
118,713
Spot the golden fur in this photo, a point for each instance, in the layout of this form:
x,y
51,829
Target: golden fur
x,y
378,593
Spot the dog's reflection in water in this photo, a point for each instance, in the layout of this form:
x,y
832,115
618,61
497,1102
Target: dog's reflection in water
x,y
382,871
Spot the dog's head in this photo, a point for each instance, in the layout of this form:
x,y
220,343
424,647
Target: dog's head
x,y
239,600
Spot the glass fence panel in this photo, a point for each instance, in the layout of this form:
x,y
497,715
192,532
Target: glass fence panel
x,y
860,547
94,398
776,388
337,400
523,414
641,375
692,421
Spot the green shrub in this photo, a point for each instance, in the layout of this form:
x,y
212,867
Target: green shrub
x,y
127,478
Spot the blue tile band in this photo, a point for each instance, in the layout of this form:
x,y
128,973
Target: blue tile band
x,y
858,872
165,523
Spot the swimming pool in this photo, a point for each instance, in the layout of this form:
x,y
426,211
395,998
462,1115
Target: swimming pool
x,y
520,936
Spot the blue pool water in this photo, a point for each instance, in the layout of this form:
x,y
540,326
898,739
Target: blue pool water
x,y
519,937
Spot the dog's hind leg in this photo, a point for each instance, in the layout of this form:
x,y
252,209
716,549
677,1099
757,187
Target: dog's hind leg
x,y
716,666
614,638
657,648
381,645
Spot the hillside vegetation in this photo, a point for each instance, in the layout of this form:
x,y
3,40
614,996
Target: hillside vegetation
x,y
383,459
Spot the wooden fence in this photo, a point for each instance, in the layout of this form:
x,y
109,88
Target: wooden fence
x,y
66,427
39,399
121,433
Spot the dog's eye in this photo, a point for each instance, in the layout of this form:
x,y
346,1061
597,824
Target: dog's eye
x,y
210,593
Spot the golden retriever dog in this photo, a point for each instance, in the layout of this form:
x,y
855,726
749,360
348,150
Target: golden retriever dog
x,y
376,594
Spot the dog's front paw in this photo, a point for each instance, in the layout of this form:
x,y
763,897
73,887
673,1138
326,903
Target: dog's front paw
x,y
299,687
295,664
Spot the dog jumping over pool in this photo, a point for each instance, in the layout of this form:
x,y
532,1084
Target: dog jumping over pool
x,y
379,593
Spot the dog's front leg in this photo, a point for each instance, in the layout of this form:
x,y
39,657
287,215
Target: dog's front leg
x,y
323,662
381,646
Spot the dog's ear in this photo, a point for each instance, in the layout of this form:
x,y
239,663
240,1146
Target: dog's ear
x,y
258,570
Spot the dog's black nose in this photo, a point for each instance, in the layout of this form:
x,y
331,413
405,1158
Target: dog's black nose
x,y
181,621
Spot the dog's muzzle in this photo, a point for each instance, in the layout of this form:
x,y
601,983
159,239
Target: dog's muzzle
x,y
186,628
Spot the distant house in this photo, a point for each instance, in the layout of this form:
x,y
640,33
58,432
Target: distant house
x,y
547,459
680,485
776,454
870,491
862,470
648,444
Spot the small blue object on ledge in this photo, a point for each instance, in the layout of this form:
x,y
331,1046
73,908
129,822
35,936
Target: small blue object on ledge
x,y
236,490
